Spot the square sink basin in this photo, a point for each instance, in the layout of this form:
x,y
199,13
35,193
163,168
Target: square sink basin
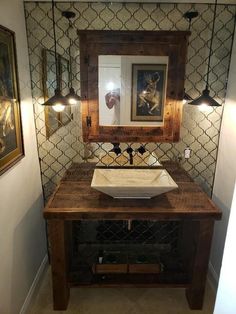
x,y
132,183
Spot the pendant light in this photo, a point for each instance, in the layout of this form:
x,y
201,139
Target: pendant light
x,y
189,16
186,97
72,97
205,99
57,101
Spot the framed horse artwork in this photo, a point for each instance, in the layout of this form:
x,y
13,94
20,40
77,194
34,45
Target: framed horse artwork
x,y
148,92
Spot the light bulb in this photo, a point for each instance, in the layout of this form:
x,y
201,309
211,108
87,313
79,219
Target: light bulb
x,y
110,86
58,107
204,107
72,101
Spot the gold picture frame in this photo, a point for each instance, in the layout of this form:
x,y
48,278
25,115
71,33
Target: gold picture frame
x,y
148,92
11,138
55,120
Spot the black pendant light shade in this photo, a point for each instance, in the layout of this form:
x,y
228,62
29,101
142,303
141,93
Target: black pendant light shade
x,y
57,101
205,99
186,98
72,97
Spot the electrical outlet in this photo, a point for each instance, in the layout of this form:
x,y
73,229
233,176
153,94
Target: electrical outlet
x,y
187,153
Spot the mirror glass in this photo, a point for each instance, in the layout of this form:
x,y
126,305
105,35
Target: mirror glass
x,y
132,90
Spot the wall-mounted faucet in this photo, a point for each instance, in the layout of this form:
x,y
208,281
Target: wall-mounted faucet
x,y
116,148
130,150
141,150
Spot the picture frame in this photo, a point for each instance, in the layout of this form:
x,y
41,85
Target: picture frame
x,y
55,120
148,93
65,115
11,137
49,85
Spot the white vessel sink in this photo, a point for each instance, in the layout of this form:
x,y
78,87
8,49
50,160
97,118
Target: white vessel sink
x,y
132,183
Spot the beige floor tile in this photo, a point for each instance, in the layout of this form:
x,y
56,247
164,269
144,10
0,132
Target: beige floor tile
x,y
119,300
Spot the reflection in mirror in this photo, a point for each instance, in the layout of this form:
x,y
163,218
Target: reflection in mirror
x,y
132,90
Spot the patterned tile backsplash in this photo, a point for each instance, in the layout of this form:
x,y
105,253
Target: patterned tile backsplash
x,y
199,130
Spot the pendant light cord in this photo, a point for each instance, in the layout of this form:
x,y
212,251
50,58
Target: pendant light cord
x,y
55,43
70,58
210,53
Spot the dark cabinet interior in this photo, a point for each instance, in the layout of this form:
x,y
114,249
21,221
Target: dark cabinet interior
x,y
137,252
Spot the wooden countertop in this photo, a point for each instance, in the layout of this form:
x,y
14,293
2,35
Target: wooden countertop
x,y
74,199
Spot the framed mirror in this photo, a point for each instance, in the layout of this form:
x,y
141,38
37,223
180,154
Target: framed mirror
x,y
132,85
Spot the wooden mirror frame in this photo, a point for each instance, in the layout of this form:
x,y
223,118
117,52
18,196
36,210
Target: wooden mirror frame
x,y
147,43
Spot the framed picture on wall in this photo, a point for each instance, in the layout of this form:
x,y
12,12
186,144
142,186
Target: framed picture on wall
x,y
11,139
148,92
54,120
65,115
49,85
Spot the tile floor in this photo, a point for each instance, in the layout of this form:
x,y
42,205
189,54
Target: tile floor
x,y
119,300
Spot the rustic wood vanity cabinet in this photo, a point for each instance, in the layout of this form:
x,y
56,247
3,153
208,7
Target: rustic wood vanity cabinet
x,y
139,45
75,200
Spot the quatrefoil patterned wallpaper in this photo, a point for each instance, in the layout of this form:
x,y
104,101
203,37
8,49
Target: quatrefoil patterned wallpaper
x,y
199,130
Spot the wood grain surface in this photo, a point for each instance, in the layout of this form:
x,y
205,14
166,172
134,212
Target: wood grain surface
x,y
74,199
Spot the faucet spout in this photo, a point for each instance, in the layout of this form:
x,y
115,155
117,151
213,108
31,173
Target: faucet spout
x,y
131,160
130,152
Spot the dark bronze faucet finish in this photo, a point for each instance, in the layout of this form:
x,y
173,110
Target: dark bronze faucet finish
x,y
130,152
116,148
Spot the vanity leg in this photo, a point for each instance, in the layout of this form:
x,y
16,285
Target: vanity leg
x,y
59,264
198,273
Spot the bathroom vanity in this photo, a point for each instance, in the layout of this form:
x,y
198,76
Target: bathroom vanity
x,y
75,200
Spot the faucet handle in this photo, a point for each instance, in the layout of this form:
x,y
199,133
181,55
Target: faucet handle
x,y
116,148
141,150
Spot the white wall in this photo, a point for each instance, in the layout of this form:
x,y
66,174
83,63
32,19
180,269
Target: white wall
x,y
225,169
22,231
225,301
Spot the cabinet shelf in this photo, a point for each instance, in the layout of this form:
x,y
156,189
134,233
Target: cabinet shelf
x,y
122,280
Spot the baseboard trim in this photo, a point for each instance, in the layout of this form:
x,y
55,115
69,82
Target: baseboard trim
x,y
212,278
34,286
